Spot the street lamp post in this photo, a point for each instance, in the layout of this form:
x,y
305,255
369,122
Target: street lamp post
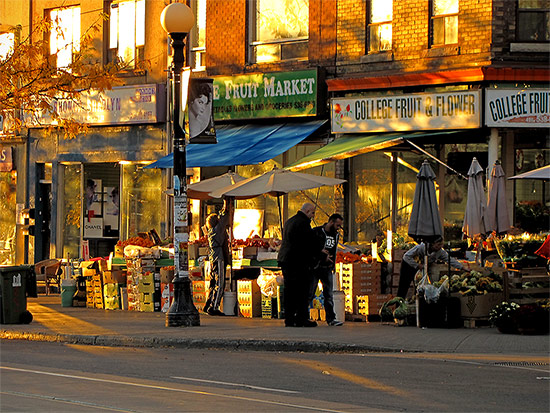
x,y
177,19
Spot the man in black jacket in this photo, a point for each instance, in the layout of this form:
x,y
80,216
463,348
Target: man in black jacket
x,y
296,258
327,235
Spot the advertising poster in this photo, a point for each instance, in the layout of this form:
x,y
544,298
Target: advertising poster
x,y
201,111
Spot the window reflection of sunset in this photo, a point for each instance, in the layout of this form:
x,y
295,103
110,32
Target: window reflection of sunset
x,y
65,34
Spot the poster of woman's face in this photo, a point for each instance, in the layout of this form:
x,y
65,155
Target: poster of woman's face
x,y
111,207
200,108
93,196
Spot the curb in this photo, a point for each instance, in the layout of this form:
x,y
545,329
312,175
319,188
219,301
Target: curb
x,y
238,345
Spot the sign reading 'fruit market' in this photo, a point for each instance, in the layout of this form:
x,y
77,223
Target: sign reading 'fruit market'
x,y
517,108
421,111
265,95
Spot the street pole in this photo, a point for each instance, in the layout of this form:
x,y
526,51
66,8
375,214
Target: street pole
x,y
177,19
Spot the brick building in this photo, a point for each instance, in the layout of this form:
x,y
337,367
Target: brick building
x,y
390,56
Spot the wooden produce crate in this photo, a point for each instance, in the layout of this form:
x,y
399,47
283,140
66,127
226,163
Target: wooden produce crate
x,y
516,284
249,298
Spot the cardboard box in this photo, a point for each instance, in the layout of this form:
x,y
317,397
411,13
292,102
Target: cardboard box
x,y
249,298
203,251
478,306
166,276
193,251
115,277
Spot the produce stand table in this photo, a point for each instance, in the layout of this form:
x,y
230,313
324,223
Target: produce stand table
x,y
515,285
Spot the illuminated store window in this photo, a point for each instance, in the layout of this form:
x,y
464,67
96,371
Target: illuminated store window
x,y
444,21
198,35
7,43
279,30
64,35
380,25
533,21
126,31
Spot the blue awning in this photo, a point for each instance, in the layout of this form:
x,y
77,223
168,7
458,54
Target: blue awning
x,y
244,144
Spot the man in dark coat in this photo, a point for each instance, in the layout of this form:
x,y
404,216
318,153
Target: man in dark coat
x,y
327,235
296,258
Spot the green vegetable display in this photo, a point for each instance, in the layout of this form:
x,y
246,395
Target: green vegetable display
x,y
476,283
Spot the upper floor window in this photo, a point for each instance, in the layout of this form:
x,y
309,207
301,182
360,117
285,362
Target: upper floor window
x,y
64,34
7,44
533,21
380,25
198,35
126,31
279,31
444,22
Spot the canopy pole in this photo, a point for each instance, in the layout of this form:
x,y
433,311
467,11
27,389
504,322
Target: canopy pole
x,y
435,159
280,214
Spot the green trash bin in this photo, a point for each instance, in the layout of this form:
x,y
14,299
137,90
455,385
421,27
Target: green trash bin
x,y
13,294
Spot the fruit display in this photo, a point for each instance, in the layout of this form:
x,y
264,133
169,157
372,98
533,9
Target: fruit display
x,y
255,241
349,257
137,241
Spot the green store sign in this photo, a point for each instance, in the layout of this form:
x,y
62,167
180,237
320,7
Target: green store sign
x,y
265,95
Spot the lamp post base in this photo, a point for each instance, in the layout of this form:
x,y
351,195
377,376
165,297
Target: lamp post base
x,y
182,312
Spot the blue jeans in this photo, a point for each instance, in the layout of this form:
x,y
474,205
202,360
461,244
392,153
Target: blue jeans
x,y
325,276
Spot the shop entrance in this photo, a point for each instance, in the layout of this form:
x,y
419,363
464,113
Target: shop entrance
x,y
101,207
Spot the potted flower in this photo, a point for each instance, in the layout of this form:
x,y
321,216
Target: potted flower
x,y
503,316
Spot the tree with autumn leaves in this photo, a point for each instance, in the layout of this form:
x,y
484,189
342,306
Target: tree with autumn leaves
x,y
32,82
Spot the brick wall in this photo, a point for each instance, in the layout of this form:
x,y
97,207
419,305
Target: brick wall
x,y
411,49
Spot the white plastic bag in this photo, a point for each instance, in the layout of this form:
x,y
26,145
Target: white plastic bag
x,y
268,281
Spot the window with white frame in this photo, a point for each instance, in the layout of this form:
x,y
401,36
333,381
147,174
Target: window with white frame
x,y
198,35
533,21
380,25
279,30
64,34
444,16
126,31
7,44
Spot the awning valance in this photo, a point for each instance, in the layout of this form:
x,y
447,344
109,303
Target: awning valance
x,y
244,144
349,145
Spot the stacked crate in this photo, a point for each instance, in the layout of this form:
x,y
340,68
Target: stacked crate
x,y
200,293
359,279
370,305
143,284
111,296
249,298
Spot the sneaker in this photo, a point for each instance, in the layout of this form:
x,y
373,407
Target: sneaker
x,y
335,323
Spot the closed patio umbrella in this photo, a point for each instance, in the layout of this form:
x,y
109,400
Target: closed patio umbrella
x,y
425,221
497,218
474,216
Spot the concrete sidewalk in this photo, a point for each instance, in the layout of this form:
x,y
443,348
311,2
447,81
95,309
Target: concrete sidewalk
x,y
79,325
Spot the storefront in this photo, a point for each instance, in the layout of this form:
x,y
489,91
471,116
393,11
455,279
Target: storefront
x,y
91,191
8,205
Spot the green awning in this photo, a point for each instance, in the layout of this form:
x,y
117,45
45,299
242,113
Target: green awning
x,y
348,145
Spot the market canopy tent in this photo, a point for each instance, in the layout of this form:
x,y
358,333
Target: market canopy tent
x,y
202,189
474,216
349,145
497,216
276,182
247,144
540,173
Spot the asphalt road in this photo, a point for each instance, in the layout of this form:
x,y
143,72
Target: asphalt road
x,y
69,378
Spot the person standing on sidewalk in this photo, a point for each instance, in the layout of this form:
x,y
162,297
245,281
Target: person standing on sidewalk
x,y
328,235
218,255
296,256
